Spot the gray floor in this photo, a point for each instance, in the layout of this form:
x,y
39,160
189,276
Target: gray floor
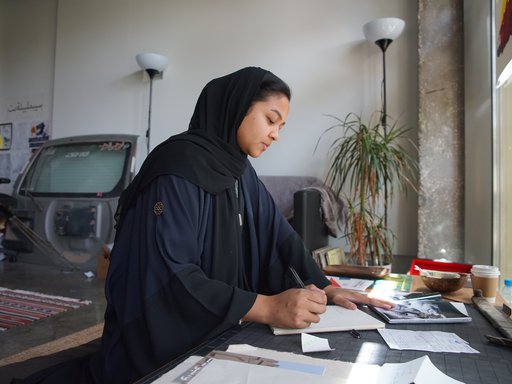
x,y
53,281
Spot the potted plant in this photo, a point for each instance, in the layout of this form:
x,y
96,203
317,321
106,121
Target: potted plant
x,y
365,164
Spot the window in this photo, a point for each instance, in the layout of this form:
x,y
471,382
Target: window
x,y
504,193
78,169
503,139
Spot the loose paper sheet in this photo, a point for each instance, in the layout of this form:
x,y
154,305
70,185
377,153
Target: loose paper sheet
x,y
432,341
418,371
352,284
312,343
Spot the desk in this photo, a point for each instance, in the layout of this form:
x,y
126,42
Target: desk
x,y
492,365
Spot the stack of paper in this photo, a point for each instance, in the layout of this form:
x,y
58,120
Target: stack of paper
x,y
249,365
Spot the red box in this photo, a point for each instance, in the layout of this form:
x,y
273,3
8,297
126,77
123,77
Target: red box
x,y
442,266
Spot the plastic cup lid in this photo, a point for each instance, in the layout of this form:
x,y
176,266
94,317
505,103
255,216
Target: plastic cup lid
x,y
485,270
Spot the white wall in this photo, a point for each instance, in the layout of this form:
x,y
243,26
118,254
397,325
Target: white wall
x,y
27,54
317,46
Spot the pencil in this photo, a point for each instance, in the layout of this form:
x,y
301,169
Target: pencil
x,y
297,277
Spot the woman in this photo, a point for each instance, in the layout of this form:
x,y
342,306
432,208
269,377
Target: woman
x,y
200,244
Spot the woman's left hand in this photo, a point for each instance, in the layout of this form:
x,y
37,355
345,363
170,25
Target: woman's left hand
x,y
349,299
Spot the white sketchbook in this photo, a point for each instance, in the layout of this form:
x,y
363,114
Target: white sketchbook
x,y
335,319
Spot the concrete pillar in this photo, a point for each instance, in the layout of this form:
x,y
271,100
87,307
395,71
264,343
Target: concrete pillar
x,y
441,129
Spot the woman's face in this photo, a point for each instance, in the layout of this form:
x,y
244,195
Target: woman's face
x,y
260,127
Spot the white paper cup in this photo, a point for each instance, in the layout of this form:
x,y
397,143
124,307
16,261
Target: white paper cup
x,y
486,278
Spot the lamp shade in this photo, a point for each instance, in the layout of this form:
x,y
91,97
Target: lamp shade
x,y
388,28
152,61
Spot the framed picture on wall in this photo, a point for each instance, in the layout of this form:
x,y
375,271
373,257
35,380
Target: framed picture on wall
x,y
5,136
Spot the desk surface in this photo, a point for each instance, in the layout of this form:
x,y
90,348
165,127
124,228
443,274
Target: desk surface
x,y
492,365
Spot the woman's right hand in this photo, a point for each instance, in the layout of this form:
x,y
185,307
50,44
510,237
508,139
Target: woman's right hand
x,y
293,308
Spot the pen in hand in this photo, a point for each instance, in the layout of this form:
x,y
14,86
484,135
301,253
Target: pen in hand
x,y
296,277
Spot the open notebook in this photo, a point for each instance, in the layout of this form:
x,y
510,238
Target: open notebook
x,y
335,319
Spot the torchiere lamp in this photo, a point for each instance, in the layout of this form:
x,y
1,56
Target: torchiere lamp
x,y
154,64
382,32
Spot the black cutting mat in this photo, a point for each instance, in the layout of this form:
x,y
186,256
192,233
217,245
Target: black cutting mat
x,y
492,365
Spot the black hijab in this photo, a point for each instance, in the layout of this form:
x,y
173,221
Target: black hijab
x,y
207,154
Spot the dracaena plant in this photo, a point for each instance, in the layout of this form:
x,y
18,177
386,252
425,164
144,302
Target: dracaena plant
x,y
365,166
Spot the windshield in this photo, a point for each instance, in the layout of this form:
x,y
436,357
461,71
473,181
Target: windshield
x,y
84,169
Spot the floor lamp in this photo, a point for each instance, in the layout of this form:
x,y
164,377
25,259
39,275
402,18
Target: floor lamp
x,y
382,32
154,64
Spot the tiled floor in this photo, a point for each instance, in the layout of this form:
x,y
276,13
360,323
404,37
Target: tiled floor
x,y
53,281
